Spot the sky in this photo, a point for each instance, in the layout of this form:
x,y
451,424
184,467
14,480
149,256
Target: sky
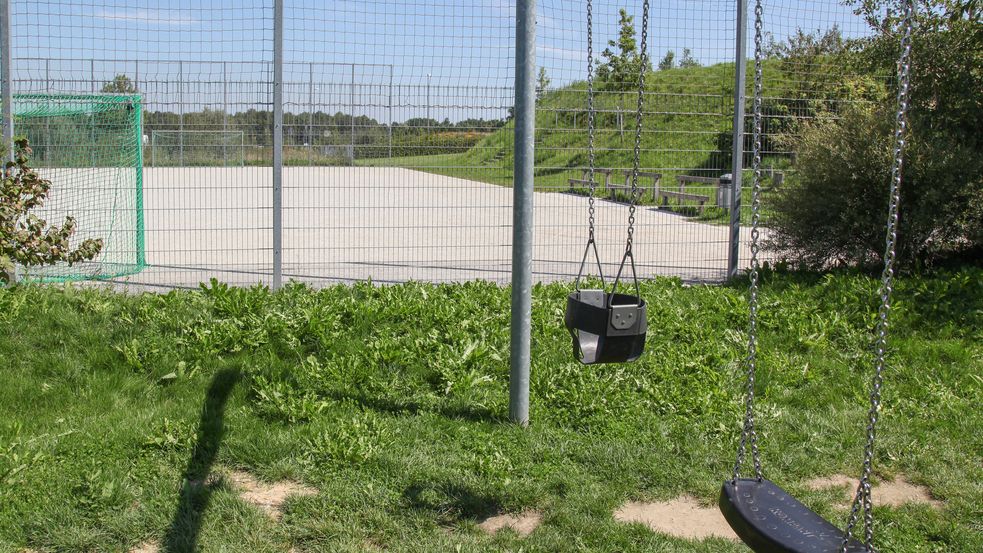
x,y
457,57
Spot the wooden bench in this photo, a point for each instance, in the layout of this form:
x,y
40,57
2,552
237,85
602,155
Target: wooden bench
x,y
682,195
665,195
585,180
656,179
579,182
683,180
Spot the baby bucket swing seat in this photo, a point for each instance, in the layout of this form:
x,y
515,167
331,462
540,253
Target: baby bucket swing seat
x,y
608,327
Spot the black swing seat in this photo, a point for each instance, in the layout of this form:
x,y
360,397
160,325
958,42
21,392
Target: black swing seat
x,y
769,520
606,328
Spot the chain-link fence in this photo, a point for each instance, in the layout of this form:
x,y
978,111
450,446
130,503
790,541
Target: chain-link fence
x,y
341,141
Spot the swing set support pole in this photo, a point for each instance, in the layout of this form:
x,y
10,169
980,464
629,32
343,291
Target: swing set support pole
x,y
737,170
522,210
6,86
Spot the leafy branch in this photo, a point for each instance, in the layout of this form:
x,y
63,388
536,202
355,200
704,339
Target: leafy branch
x,y
25,238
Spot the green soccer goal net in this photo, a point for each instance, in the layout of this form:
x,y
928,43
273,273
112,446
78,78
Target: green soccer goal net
x,y
90,146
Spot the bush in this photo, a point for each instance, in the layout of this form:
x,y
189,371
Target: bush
x,y
834,212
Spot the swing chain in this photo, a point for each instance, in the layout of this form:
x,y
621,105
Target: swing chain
x,y
590,118
749,434
643,62
862,497
591,242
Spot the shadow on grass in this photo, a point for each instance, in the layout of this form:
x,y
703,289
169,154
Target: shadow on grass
x,y
182,535
455,410
450,502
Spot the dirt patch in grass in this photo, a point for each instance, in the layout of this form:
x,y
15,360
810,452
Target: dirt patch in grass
x,y
834,481
894,493
682,517
268,497
372,545
523,524
146,547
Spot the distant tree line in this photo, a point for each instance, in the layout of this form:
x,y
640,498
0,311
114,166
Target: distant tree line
x,y
325,132
308,128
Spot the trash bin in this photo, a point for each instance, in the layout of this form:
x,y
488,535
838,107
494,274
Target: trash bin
x,y
724,190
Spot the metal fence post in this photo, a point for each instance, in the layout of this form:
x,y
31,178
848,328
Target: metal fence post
x,y
7,84
277,143
353,114
522,210
310,114
47,120
225,117
180,114
390,111
136,88
737,169
92,119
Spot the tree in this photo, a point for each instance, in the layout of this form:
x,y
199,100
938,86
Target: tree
x,y
25,238
668,62
622,69
121,84
542,83
802,46
817,75
885,15
422,122
687,60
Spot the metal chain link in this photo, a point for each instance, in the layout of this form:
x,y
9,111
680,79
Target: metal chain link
x,y
591,184
590,118
749,434
643,61
862,497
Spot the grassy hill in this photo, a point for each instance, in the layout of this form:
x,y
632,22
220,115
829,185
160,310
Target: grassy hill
x,y
686,130
686,126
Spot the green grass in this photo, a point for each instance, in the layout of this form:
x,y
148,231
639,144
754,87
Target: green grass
x,y
460,165
391,401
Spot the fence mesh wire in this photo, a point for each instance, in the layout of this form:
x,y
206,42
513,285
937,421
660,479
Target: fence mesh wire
x,y
807,72
686,121
395,112
398,133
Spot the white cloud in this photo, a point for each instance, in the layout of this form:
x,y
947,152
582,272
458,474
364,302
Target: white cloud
x,y
152,17
562,53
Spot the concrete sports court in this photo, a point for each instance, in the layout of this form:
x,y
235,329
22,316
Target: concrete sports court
x,y
343,224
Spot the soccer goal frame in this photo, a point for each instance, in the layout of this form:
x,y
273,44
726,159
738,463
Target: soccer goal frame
x,y
90,146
